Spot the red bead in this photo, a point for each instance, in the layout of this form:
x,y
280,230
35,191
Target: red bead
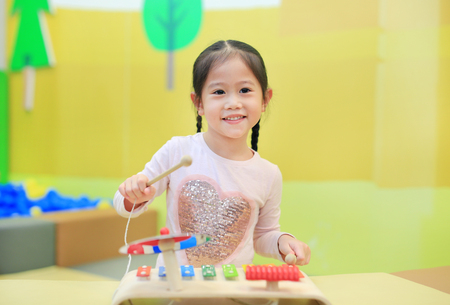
x,y
164,231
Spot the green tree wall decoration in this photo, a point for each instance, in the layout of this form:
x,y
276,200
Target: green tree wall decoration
x,y
171,25
32,46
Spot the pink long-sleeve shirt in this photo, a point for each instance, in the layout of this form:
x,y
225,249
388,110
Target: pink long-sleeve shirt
x,y
237,203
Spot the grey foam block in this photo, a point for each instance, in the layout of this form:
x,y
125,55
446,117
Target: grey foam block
x,y
26,243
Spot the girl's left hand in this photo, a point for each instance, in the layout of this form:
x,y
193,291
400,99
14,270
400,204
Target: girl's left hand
x,y
289,245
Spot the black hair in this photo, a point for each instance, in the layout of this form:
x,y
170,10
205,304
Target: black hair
x,y
218,53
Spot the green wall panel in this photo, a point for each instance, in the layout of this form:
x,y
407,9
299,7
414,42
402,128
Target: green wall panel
x,y
355,226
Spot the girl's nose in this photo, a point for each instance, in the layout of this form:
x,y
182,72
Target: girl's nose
x,y
233,103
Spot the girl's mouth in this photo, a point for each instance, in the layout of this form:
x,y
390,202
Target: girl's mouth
x,y
235,118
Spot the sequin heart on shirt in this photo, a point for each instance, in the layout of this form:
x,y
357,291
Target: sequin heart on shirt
x,y
200,210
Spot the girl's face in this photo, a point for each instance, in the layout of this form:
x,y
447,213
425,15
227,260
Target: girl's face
x,y
231,100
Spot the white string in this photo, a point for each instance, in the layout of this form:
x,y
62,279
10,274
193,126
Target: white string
x,y
126,233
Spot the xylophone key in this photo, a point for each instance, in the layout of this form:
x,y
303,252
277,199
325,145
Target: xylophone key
x,y
229,271
187,271
143,271
162,271
208,271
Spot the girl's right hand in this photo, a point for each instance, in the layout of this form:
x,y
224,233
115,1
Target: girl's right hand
x,y
134,189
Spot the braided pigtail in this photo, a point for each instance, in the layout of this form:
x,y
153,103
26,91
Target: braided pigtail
x,y
255,135
199,123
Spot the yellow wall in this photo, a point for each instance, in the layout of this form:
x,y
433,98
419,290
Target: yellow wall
x,y
359,123
362,94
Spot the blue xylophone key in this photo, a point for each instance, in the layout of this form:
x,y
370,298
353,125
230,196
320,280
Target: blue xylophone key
x,y
187,271
162,271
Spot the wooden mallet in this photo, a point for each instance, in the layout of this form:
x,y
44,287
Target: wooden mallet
x,y
185,161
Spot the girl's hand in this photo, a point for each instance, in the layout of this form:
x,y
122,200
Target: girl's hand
x,y
134,189
289,245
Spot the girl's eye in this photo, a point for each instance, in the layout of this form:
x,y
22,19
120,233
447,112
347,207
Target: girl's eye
x,y
244,90
219,92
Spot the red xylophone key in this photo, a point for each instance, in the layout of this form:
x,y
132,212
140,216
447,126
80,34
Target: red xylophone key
x,y
144,271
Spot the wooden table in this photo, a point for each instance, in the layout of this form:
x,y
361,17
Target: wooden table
x,y
64,286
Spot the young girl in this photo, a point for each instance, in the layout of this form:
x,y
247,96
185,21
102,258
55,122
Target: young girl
x,y
229,192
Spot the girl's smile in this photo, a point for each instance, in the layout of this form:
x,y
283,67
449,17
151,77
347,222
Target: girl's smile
x,y
234,119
